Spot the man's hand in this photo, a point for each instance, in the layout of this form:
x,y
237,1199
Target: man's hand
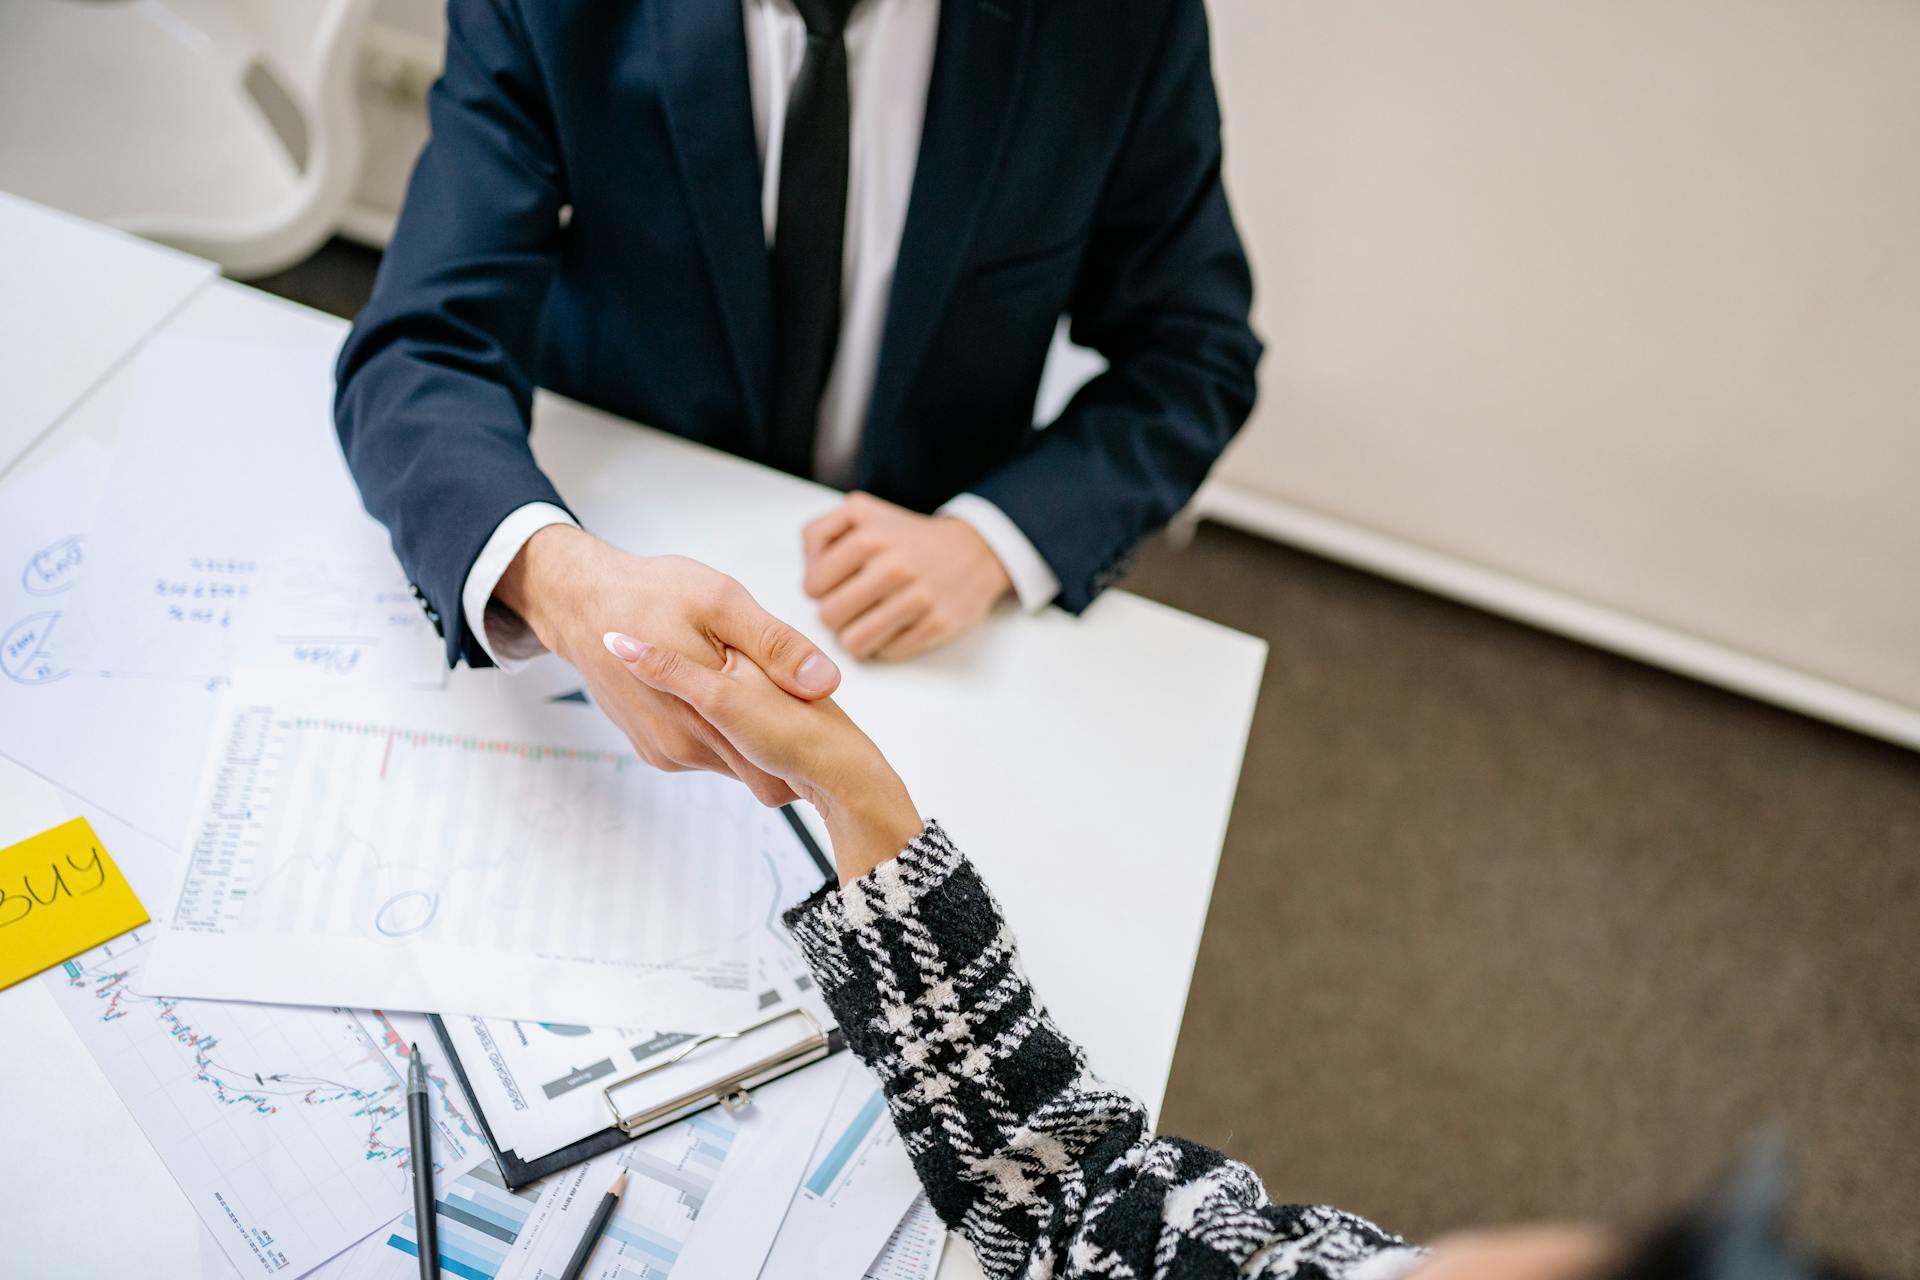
x,y
573,589
892,583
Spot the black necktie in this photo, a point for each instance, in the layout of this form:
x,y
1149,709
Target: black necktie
x,y
808,234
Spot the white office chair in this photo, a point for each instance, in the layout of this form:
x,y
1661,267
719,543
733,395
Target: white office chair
x,y
222,127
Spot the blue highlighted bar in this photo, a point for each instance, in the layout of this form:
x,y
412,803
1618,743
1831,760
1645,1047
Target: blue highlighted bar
x,y
847,1144
720,1129
450,1263
636,1237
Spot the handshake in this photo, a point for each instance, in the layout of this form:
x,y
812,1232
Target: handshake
x,y
699,676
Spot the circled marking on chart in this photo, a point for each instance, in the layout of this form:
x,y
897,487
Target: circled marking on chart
x,y
54,567
406,913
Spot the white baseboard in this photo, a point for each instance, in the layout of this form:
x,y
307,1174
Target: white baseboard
x,y
1553,610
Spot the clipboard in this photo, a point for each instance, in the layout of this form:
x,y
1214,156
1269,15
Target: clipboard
x,y
802,1042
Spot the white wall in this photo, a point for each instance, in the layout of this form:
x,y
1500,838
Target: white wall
x,y
1606,315
1620,300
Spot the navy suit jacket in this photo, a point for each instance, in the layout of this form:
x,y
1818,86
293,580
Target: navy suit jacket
x,y
586,218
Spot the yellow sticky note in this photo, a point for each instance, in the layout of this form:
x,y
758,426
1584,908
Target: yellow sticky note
x,y
59,895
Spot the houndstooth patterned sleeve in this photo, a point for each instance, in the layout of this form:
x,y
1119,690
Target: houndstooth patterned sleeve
x,y
1045,1170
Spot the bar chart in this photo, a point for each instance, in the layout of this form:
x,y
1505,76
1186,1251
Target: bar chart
x,y
480,1222
844,1156
664,1198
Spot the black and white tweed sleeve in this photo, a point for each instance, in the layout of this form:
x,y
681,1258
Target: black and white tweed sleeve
x,y
1045,1170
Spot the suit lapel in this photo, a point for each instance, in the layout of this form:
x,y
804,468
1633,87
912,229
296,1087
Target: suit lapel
x,y
702,71
976,75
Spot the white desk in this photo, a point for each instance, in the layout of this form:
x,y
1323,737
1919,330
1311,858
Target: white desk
x,y
75,299
1088,765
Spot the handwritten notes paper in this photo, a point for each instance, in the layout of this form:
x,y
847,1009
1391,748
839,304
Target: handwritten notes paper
x,y
60,894
53,711
250,547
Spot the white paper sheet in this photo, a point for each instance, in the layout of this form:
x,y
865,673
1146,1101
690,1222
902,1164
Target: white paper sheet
x,y
744,1210
286,1128
249,546
541,1084
130,745
858,1185
486,1233
465,851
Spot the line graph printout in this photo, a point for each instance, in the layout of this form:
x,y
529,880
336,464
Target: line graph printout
x,y
465,851
286,1128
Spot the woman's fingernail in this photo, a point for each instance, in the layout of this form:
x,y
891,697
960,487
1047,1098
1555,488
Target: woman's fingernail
x,y
623,647
817,674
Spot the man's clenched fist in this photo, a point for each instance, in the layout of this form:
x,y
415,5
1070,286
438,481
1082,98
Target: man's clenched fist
x,y
892,583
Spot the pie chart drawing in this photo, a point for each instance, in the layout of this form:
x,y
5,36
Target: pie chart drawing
x,y
26,650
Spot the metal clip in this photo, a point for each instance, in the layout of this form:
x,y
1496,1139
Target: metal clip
x,y
733,1092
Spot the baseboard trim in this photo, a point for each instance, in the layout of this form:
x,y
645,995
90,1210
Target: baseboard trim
x,y
1557,611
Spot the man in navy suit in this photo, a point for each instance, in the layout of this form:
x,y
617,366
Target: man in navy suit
x,y
832,235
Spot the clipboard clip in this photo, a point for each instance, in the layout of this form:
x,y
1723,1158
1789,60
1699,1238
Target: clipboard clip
x,y
732,1091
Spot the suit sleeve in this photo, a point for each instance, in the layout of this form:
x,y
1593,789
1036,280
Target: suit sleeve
x,y
1045,1169
1164,293
434,386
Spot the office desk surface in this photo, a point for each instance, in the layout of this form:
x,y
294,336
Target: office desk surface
x,y
75,299
1088,765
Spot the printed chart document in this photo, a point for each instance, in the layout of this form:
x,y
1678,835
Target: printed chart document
x,y
741,1205
913,1250
542,1086
251,546
465,851
858,1185
704,1198
286,1128
128,744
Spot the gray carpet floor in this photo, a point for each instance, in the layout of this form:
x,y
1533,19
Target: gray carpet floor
x,y
1510,928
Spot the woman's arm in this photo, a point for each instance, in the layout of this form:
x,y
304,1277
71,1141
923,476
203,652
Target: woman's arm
x,y
1043,1168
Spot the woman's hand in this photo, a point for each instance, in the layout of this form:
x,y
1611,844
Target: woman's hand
x,y
811,746
570,587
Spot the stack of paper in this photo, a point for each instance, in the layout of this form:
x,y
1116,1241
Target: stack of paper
x,y
207,646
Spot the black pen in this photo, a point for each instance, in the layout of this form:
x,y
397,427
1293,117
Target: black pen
x,y
425,1229
584,1250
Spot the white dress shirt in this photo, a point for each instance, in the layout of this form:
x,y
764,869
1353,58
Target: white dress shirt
x,y
890,47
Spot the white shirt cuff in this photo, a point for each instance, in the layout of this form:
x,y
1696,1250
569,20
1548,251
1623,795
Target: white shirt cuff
x,y
508,640
1034,581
